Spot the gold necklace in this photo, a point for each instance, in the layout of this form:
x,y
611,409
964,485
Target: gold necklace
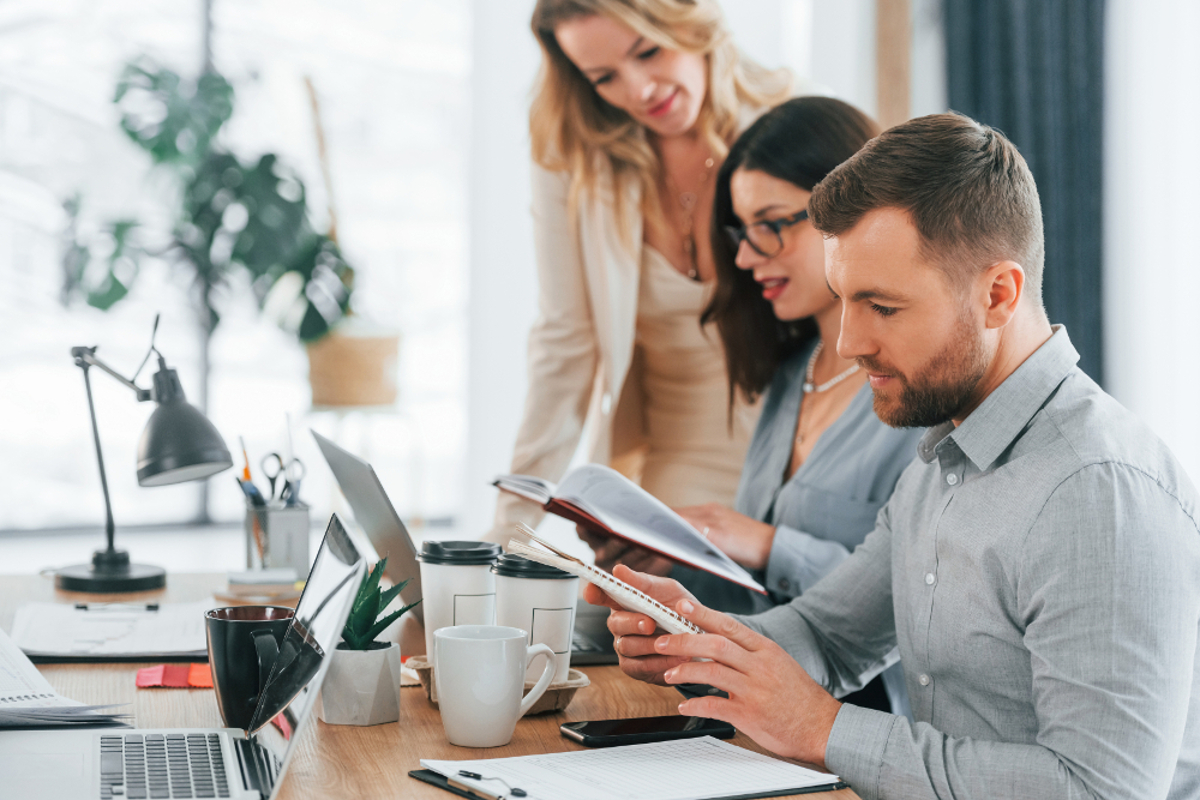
x,y
688,201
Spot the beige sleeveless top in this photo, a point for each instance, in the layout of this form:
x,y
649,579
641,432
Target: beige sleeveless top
x,y
691,454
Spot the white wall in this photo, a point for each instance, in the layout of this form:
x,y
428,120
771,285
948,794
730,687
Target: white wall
x,y
502,283
1151,269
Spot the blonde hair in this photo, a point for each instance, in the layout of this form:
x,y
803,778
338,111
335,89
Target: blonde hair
x,y
572,129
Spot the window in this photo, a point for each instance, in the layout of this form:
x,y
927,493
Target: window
x,y
392,78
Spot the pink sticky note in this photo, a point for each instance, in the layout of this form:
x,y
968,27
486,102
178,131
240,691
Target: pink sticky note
x,y
175,676
150,676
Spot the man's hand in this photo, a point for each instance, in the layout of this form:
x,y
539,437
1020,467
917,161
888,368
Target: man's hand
x,y
771,698
612,550
633,632
744,539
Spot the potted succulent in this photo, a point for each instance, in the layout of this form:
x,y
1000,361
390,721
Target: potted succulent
x,y
363,684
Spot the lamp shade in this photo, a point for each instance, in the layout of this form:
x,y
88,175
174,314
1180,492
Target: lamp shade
x,y
179,443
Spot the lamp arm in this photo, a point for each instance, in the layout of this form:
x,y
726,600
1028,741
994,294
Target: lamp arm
x,y
86,357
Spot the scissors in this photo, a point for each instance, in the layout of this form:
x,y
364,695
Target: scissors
x,y
284,476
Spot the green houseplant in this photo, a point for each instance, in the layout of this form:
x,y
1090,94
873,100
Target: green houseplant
x,y
363,684
227,215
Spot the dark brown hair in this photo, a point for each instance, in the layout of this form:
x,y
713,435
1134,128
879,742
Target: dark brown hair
x,y
966,188
800,142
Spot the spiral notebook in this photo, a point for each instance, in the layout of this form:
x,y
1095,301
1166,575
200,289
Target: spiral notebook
x,y
630,598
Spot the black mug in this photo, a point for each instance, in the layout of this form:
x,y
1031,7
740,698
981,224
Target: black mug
x,y
243,645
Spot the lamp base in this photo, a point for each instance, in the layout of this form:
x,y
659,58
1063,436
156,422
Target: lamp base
x,y
91,578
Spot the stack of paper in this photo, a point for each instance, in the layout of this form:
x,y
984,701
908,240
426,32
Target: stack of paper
x,y
28,700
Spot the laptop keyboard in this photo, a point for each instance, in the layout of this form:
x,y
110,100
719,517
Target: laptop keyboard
x,y
157,765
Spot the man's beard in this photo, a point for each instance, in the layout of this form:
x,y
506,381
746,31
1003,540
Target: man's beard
x,y
940,390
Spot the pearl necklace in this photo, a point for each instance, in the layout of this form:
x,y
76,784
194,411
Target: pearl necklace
x,y
809,386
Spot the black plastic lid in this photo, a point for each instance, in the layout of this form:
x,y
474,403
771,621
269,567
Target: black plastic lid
x,y
515,566
460,553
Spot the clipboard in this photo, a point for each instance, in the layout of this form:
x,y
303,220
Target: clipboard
x,y
702,768
442,782
52,633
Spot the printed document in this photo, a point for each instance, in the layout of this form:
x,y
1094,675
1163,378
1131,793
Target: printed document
x,y
685,769
28,700
111,630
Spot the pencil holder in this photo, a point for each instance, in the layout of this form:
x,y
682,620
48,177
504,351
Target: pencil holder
x,y
277,536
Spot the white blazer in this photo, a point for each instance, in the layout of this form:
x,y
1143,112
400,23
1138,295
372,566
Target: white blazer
x,y
581,346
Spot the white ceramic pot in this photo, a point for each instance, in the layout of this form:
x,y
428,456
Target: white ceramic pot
x,y
362,687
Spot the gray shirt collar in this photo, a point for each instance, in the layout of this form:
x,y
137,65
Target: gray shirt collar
x,y
990,429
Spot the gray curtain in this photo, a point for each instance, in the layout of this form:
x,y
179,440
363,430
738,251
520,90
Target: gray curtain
x,y
1035,70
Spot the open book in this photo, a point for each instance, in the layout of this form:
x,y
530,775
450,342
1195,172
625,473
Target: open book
x,y
604,500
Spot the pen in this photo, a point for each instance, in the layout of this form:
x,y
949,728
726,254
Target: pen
x,y
245,469
475,790
116,607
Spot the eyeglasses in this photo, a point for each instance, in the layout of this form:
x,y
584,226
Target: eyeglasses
x,y
765,237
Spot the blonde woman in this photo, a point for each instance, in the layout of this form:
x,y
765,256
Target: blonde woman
x,y
637,104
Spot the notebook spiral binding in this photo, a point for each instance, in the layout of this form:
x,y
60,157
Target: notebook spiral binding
x,y
630,598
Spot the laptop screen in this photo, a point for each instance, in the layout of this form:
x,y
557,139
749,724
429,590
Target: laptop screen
x,y
287,699
377,517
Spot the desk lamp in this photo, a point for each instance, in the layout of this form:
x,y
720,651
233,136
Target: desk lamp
x,y
179,444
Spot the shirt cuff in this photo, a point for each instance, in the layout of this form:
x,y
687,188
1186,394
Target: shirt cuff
x,y
785,563
856,746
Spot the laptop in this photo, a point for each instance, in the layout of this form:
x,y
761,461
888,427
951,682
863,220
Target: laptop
x,y
591,641
139,764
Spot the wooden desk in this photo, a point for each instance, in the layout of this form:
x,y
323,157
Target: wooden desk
x,y
332,760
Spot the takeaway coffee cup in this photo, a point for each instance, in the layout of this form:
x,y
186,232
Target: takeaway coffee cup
x,y
457,585
243,643
540,600
480,674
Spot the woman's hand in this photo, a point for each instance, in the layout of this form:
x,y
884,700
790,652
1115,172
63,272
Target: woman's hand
x,y
612,550
744,539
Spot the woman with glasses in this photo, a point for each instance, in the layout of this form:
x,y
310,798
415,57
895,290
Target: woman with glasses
x,y
821,464
636,105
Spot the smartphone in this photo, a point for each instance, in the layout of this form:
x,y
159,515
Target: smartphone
x,y
637,730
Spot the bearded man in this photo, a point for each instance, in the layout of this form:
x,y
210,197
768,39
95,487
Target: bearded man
x,y
1038,565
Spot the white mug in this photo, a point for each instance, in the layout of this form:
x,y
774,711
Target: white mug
x,y
457,585
479,671
541,601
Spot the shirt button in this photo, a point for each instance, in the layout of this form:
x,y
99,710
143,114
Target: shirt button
x,y
952,479
923,680
606,403
784,584
929,579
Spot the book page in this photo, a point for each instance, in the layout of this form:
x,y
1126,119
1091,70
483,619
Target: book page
x,y
686,769
633,512
528,486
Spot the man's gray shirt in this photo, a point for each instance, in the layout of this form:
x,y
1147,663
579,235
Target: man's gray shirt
x,y
1039,569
